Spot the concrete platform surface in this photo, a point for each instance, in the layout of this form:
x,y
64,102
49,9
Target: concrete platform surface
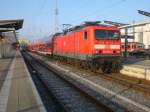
x,y
18,93
4,65
139,69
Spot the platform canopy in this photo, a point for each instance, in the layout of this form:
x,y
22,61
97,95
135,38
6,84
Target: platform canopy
x,y
10,25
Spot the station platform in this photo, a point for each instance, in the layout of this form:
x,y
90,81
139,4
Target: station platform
x,y
138,68
17,91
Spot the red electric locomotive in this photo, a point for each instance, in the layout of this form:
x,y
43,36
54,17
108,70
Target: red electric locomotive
x,y
91,45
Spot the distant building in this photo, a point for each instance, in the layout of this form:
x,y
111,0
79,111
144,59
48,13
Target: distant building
x,y
140,32
24,41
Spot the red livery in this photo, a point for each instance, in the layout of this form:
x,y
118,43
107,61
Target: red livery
x,y
98,46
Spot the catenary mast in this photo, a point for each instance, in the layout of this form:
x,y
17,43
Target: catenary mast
x,y
56,21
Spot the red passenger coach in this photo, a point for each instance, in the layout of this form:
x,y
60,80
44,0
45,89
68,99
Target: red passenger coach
x,y
41,47
133,47
90,45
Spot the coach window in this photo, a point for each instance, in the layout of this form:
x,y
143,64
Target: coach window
x,y
85,35
128,46
135,46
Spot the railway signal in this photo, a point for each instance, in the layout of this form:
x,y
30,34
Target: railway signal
x,y
144,13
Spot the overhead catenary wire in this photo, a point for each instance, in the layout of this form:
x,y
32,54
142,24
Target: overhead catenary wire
x,y
100,10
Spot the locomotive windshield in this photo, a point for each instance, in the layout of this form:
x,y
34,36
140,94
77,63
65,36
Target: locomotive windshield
x,y
106,34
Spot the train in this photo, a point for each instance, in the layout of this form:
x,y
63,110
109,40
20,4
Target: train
x,y
133,47
41,47
90,45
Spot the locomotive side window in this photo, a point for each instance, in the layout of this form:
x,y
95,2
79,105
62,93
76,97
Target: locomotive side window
x,y
85,35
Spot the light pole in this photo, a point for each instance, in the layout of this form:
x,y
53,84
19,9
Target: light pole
x,y
126,44
148,15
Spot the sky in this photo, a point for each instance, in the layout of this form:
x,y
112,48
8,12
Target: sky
x,y
38,15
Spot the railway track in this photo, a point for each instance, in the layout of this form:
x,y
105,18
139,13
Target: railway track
x,y
140,85
134,83
66,96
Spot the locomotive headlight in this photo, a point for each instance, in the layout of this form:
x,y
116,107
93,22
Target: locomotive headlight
x,y
96,51
116,51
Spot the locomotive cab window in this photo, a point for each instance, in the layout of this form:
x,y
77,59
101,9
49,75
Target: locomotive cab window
x,y
106,34
85,35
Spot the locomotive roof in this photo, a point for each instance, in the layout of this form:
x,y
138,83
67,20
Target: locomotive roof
x,y
79,27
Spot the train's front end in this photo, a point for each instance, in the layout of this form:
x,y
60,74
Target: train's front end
x,y
107,48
